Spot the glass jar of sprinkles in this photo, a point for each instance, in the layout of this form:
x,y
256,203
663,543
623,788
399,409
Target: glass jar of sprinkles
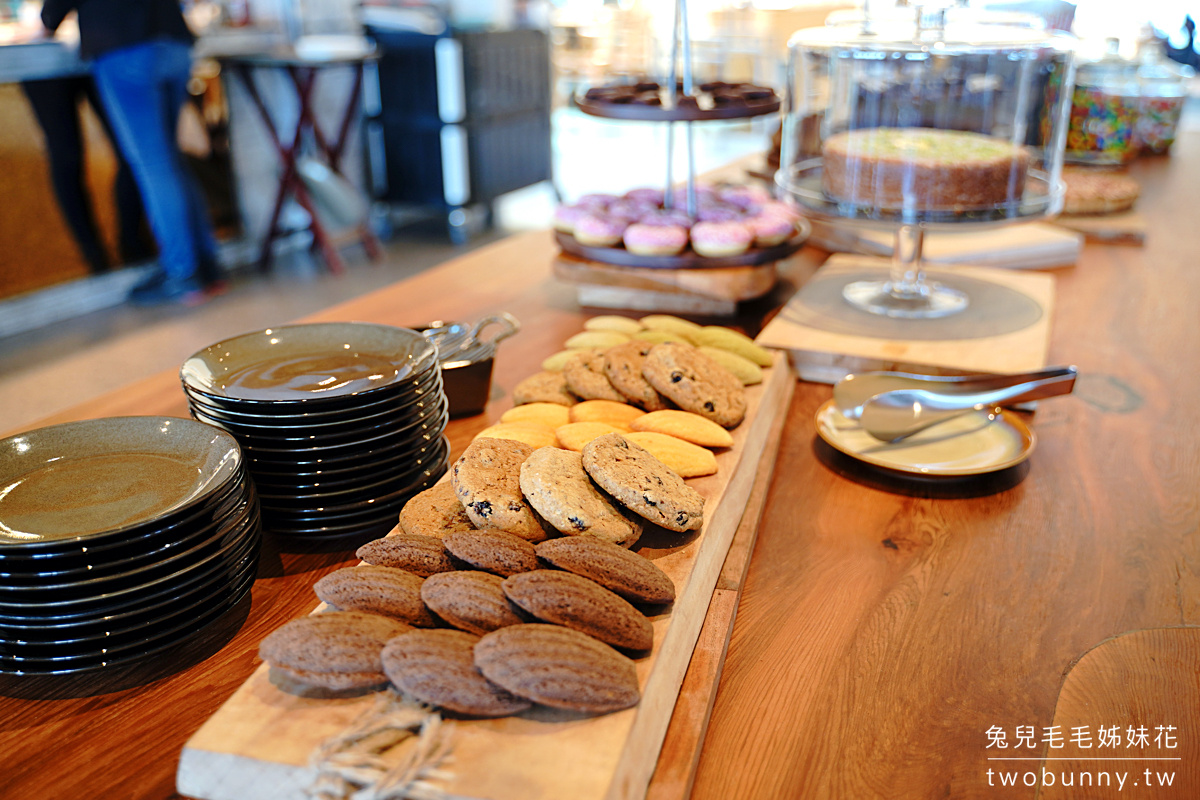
x,y
1163,87
1104,111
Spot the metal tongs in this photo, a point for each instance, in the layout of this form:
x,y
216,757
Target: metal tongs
x,y
891,406
455,339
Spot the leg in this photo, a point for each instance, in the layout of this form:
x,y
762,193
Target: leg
x,y
133,241
139,87
55,104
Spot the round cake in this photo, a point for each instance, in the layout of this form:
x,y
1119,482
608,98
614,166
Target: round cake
x,y
922,169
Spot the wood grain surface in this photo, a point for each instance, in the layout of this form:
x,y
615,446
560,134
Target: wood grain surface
x,y
885,624
1143,679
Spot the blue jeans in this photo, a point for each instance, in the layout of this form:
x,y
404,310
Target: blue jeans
x,y
143,89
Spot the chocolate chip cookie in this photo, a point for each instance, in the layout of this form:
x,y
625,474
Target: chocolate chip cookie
x,y
584,374
623,368
435,512
544,387
556,485
486,481
642,483
696,383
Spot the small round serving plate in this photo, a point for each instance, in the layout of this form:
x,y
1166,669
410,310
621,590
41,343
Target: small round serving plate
x,y
973,444
312,363
688,259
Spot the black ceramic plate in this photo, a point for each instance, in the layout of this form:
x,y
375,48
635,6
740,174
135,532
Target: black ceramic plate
x,y
326,364
83,586
101,480
390,415
132,594
338,506
159,597
155,641
276,414
297,440
271,462
113,633
383,518
135,548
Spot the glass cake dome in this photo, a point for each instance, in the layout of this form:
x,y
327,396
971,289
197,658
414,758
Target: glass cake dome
x,y
920,118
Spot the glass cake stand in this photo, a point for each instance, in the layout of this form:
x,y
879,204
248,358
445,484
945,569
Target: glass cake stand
x,y
906,292
941,119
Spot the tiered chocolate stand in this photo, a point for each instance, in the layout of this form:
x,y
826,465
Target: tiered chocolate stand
x,y
613,277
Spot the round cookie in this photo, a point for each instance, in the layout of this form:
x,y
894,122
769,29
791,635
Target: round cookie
x,y
642,483
556,485
438,667
487,481
585,378
338,650
623,368
543,387
493,551
469,600
695,382
435,512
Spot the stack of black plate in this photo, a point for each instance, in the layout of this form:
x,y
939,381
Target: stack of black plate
x,y
119,538
340,423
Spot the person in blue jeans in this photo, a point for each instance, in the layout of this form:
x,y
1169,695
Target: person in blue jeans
x,y
140,54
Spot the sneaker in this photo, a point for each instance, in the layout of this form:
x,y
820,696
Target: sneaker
x,y
167,290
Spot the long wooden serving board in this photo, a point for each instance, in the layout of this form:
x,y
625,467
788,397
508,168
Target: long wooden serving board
x,y
259,742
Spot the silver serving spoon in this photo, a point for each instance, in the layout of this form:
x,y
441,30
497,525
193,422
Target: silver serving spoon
x,y
898,413
851,392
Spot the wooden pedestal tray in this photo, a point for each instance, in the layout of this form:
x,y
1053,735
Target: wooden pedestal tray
x,y
611,277
259,742
712,291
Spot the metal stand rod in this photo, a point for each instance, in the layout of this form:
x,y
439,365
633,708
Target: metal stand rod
x,y
688,90
673,78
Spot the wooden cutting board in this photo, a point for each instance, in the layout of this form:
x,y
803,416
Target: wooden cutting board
x,y
258,743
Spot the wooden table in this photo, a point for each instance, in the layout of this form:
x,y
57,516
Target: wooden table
x,y
884,627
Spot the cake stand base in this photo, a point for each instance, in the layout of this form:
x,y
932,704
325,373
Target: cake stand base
x,y
714,291
1005,327
884,297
